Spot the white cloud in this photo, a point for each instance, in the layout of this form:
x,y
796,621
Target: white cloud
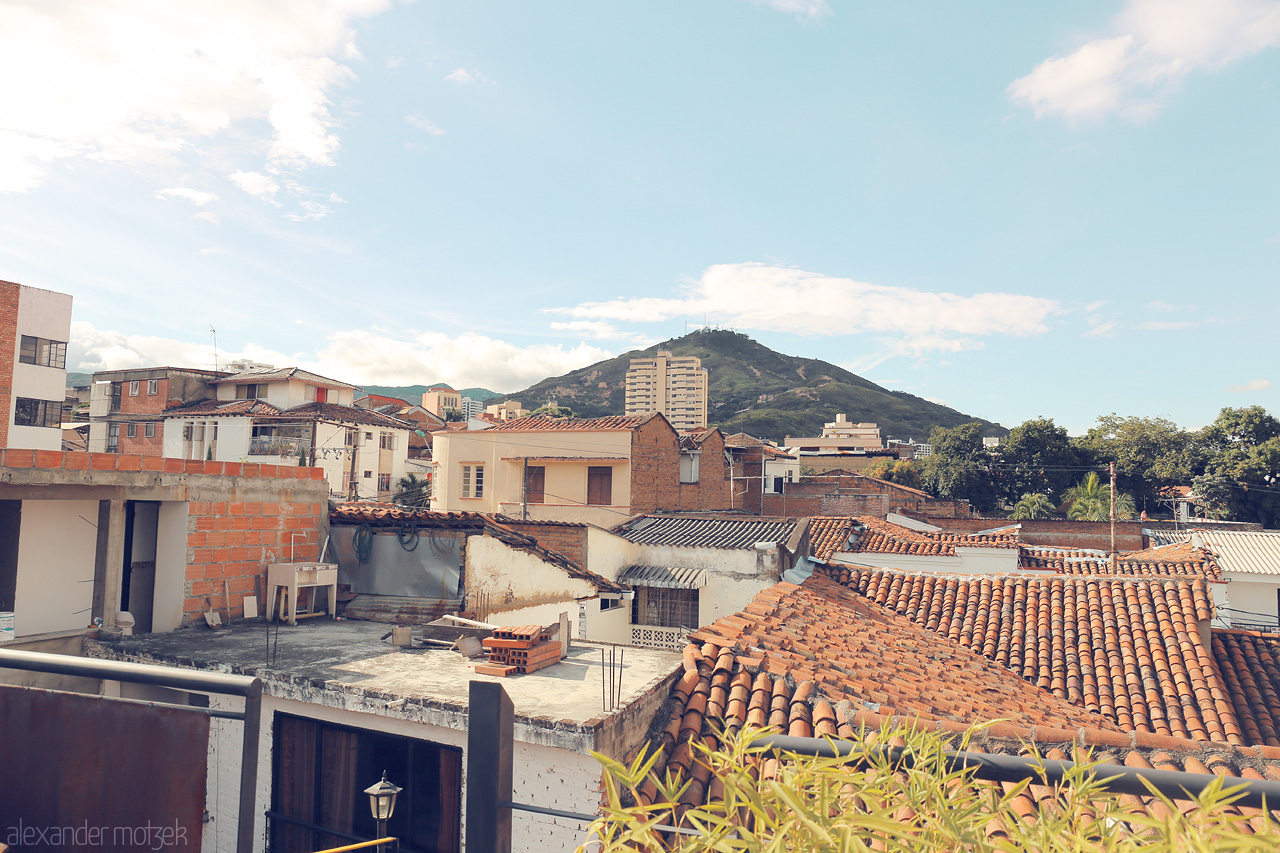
x,y
423,123
144,81
591,328
196,197
1095,306
811,9
311,211
463,77
1252,385
356,356
1101,328
1152,46
1163,325
1161,305
394,62
257,185
771,298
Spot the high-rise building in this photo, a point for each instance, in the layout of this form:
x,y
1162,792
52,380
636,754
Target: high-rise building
x,y
34,327
674,386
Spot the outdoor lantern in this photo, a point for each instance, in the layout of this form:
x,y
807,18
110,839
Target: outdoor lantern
x,y
382,799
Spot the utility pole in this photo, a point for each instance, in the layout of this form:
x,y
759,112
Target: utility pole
x,y
524,490
1113,518
355,446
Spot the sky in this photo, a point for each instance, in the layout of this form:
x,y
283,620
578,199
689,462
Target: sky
x,y
1015,209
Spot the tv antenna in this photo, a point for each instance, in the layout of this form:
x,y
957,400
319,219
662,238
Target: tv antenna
x,y
214,333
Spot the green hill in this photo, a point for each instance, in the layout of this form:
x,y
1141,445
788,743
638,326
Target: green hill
x,y
757,390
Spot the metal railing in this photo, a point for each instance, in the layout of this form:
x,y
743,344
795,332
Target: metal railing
x,y
178,679
277,446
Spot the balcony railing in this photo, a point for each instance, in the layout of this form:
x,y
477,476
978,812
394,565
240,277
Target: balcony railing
x,y
277,446
656,637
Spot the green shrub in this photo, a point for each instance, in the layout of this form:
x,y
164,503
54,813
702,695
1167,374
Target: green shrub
x,y
807,804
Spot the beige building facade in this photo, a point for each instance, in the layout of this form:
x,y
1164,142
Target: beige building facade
x,y
674,386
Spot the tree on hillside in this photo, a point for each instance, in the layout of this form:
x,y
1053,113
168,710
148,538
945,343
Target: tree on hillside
x,y
902,472
1241,479
1090,500
960,467
451,415
553,412
1032,505
1151,454
1037,457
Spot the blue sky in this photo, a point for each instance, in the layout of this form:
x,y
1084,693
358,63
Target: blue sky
x,y
1015,209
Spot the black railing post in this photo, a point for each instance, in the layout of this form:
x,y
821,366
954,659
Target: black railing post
x,y
490,736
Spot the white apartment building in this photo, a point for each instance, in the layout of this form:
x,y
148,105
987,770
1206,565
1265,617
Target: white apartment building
x,y
34,327
674,386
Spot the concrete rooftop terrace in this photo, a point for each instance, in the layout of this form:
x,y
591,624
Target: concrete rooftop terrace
x,y
346,664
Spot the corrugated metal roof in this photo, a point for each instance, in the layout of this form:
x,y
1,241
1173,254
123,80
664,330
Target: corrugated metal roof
x,y
667,577
1256,552
1166,537
706,532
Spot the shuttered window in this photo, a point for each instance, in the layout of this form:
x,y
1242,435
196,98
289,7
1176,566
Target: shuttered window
x,y
599,485
535,484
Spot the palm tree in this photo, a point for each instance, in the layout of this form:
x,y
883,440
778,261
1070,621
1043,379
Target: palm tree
x,y
413,492
1032,505
1091,501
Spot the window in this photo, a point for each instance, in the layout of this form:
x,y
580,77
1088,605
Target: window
x,y
131,430
368,436
610,603
666,608
42,352
535,484
133,388
251,392
368,475
599,485
384,482
113,438
351,438
387,441
689,467
151,430
320,768
37,413
473,481
153,387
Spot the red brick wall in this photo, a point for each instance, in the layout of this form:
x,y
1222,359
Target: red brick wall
x,y
567,539
232,540
8,349
655,472
144,402
1054,534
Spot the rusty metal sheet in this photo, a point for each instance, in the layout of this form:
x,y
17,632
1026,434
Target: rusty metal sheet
x,y
81,772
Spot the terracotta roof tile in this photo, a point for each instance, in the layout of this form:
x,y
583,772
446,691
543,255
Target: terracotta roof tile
x,y
871,666
540,423
1174,561
1128,649
875,535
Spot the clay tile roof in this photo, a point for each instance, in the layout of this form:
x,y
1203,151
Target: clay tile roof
x,y
390,515
828,534
1127,648
346,414
705,532
1176,560
812,658
539,423
1249,663
225,408
875,535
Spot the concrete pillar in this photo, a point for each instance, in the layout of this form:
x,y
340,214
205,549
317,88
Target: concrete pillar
x,y
108,563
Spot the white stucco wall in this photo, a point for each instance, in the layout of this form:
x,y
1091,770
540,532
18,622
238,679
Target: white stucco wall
x,y
548,776
968,561
608,553
1254,593
42,314
171,566
56,548
512,579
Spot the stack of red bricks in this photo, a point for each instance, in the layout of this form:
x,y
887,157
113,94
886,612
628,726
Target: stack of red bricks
x,y
520,649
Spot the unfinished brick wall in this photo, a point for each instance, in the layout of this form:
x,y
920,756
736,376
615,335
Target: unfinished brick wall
x,y
8,352
563,538
1053,534
655,472
239,516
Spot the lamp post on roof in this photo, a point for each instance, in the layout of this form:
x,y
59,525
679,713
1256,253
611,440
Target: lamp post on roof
x,y
382,802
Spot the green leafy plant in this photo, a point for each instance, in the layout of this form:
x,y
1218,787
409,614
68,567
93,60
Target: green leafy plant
x,y
799,803
1031,506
